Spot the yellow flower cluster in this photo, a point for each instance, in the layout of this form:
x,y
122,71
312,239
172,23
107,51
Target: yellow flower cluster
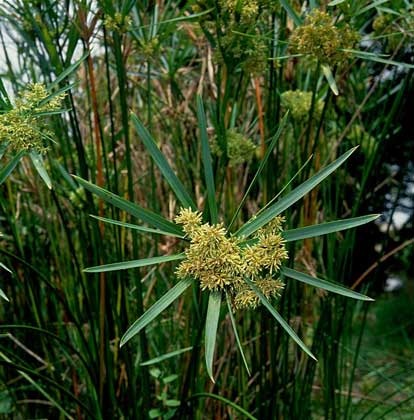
x,y
299,103
238,27
320,38
221,263
118,23
20,127
240,149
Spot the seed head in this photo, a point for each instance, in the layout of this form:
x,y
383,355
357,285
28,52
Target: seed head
x,y
219,262
319,37
21,126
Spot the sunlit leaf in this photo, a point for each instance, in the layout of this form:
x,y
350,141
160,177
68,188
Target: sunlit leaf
x,y
213,314
325,228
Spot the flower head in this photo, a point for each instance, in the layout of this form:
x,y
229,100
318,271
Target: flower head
x,y
322,39
21,126
299,104
219,262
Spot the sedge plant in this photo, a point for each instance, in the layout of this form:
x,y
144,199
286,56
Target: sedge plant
x,y
244,268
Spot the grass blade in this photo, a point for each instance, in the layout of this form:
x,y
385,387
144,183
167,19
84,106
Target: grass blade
x,y
280,319
162,164
8,169
375,57
325,228
269,150
68,71
155,310
236,334
5,268
231,404
125,265
3,295
323,284
135,227
291,12
40,168
145,215
370,6
327,72
206,158
256,222
165,356
40,389
213,314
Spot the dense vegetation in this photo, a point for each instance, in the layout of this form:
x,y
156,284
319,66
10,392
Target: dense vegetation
x,y
160,165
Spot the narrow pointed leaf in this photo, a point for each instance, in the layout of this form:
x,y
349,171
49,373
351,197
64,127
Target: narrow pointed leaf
x,y
269,151
133,209
136,227
325,228
125,265
335,2
280,319
213,314
327,72
68,71
36,384
5,268
291,12
225,401
7,170
40,168
155,310
370,6
236,334
298,172
162,164
375,57
206,158
323,284
3,295
4,97
256,222
53,95
165,356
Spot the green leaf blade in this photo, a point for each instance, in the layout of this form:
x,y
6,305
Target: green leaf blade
x,y
156,310
291,12
126,265
160,160
206,158
326,228
135,227
38,163
212,319
236,334
8,169
327,72
165,356
295,195
323,284
133,209
263,162
3,295
280,319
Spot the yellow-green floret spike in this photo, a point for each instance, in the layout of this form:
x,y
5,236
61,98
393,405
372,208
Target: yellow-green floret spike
x,y
220,263
21,127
